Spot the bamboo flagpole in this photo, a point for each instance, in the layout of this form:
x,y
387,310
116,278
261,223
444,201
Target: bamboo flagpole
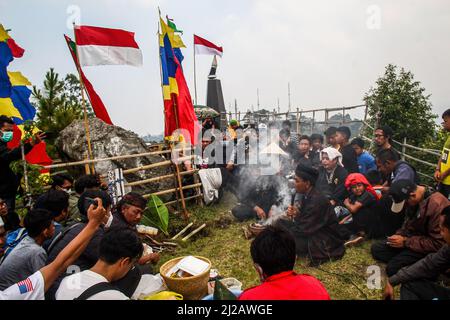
x,y
177,168
174,104
195,74
83,99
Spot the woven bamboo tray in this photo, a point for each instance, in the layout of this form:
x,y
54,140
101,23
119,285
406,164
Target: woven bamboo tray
x,y
192,288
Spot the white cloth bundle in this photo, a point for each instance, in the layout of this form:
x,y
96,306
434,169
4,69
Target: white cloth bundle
x,y
211,182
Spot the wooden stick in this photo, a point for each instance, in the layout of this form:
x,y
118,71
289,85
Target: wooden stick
x,y
156,179
172,190
77,163
186,199
182,231
195,75
177,169
83,101
180,184
154,165
194,232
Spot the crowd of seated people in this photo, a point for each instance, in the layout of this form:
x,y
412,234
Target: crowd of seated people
x,y
320,193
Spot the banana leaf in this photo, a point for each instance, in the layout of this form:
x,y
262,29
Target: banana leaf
x,y
156,215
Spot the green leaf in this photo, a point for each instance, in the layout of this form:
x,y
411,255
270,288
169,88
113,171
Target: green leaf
x,y
156,215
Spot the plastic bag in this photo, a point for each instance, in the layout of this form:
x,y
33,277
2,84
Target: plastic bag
x,y
165,295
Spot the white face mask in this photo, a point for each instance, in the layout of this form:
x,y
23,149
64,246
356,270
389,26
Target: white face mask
x,y
109,222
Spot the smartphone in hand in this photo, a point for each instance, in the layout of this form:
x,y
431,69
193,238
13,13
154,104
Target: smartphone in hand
x,y
88,202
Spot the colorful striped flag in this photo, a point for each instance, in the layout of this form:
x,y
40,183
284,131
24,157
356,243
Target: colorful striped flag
x,y
178,109
8,51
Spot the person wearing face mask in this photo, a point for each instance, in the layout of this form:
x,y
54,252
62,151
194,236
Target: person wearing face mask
x,y
9,182
420,234
273,254
63,182
89,256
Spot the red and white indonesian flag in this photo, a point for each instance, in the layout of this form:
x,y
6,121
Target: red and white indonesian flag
x,y
203,46
102,46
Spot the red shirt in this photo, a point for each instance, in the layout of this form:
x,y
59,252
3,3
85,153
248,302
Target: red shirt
x,y
287,286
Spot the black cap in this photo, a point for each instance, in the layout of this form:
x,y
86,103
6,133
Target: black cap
x,y
307,173
345,130
400,191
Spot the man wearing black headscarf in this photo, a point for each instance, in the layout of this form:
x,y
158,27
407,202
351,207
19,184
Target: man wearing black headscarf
x,y
312,221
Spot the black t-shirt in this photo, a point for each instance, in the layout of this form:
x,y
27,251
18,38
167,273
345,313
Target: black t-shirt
x,y
366,199
349,159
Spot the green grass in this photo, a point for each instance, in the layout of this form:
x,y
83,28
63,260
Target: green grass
x,y
223,242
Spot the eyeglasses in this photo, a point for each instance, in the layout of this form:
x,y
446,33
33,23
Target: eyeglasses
x,y
379,135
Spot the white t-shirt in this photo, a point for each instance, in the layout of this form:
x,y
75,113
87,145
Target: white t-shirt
x,y
31,288
74,285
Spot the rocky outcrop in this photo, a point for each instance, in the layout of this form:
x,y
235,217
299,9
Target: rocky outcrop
x,y
110,141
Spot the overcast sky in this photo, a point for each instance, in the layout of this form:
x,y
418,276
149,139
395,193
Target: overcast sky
x,y
331,52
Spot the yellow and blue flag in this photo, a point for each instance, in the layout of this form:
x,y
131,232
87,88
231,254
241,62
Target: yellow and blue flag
x,y
17,105
8,51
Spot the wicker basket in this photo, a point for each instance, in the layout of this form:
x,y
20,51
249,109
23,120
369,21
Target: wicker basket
x,y
192,288
256,229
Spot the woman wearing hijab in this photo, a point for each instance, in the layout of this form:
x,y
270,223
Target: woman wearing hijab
x,y
332,175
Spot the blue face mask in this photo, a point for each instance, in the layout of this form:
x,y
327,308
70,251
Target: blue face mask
x,y
7,136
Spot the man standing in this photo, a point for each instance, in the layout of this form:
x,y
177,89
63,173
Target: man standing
x,y
9,182
349,158
286,125
383,137
366,162
442,173
330,135
420,234
303,152
286,144
317,147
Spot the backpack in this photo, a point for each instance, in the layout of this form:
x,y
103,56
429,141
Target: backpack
x,y
95,289
61,235
12,240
